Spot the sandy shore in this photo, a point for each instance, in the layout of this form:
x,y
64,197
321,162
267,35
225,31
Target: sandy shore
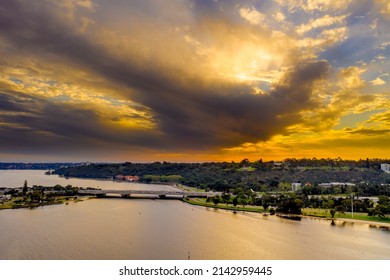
x,y
380,224
351,221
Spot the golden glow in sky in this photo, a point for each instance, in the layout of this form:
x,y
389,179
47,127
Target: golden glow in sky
x,y
194,80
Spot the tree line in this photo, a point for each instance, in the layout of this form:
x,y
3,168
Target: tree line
x,y
36,166
292,203
257,176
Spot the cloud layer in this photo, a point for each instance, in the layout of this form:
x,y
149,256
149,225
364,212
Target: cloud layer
x,y
150,77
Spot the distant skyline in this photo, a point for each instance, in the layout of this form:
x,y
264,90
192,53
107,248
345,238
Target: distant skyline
x,y
188,81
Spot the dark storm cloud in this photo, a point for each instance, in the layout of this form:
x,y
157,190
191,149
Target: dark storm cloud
x,y
35,124
231,117
7,104
188,114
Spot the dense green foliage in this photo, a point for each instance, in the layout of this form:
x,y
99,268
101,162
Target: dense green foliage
x,y
339,204
266,184
162,178
257,176
38,196
68,190
382,208
290,205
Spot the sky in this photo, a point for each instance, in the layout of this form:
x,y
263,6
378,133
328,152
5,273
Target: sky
x,y
196,80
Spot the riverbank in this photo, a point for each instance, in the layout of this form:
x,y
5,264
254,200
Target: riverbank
x,y
16,203
381,225
186,188
200,202
347,216
371,223
258,209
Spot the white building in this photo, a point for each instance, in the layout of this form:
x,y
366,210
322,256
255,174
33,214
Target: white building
x,y
295,186
336,184
385,167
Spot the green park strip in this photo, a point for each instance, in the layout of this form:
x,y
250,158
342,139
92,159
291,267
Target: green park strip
x,y
187,188
324,168
325,213
18,203
202,202
308,212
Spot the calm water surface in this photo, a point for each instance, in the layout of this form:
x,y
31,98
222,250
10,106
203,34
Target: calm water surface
x,y
15,179
170,229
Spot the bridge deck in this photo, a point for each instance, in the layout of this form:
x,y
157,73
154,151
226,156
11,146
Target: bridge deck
x,y
148,192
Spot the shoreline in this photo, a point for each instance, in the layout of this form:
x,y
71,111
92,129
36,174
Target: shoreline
x,y
229,208
350,221
36,205
111,180
371,223
385,225
347,220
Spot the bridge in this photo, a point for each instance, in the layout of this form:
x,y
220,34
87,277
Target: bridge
x,y
147,193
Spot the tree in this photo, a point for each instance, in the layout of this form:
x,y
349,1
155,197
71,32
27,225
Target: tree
x,y
290,205
332,213
36,196
340,209
243,201
328,204
216,199
245,163
273,184
238,191
225,198
284,187
25,188
235,201
382,209
337,190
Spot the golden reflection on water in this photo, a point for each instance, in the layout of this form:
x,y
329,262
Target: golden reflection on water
x,y
166,229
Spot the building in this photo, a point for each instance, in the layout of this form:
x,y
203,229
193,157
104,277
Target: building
x,y
127,178
385,167
336,184
4,198
131,178
295,186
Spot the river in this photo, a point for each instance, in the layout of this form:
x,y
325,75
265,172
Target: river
x,y
170,229
15,179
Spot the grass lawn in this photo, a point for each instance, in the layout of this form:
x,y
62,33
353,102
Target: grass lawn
x,y
6,205
57,200
11,202
342,168
316,212
356,215
188,189
248,169
202,202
